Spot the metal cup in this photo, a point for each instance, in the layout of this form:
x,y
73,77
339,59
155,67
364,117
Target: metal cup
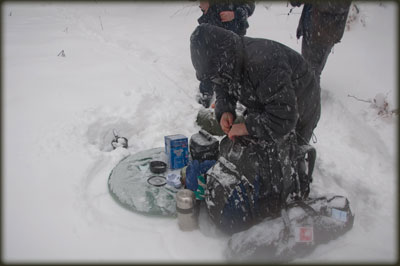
x,y
185,207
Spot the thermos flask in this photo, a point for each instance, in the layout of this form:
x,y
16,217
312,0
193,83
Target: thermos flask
x,y
186,209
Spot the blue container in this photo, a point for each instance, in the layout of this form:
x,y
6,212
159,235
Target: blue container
x,y
176,149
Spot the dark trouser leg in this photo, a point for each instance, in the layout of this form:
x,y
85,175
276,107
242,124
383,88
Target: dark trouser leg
x,y
304,129
303,163
316,55
206,91
304,135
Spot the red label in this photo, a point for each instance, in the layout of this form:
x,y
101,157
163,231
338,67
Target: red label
x,y
304,234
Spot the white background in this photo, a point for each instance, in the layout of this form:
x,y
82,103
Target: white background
x,y
128,67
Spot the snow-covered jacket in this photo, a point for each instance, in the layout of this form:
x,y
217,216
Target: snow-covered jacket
x,y
323,22
243,9
271,80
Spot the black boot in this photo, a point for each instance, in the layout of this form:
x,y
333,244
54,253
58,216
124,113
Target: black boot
x,y
304,179
306,157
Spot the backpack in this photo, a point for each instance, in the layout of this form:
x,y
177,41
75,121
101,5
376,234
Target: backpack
x,y
309,223
254,179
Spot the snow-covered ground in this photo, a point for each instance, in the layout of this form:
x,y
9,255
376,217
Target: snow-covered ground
x,y
127,66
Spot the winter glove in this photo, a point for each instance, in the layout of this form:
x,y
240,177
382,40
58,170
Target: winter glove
x,y
199,193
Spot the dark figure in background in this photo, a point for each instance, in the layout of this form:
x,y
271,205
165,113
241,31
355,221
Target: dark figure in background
x,y
322,24
282,100
230,15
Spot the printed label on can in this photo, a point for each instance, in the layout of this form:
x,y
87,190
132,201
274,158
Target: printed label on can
x,y
176,149
339,215
304,234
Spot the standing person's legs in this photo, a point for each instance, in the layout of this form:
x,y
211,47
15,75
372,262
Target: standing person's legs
x,y
316,55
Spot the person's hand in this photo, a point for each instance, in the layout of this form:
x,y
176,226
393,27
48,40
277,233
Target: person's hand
x,y
227,16
238,130
204,5
226,122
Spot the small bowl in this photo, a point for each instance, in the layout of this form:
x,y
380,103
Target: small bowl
x,y
158,167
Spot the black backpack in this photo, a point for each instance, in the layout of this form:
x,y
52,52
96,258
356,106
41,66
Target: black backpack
x,y
253,180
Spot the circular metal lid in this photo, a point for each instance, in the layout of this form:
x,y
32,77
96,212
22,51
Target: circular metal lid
x,y
157,180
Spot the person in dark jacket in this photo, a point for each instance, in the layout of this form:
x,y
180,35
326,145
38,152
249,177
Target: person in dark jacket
x,y
228,14
278,89
273,81
322,25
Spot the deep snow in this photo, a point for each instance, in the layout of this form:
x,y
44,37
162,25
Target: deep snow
x,y
127,67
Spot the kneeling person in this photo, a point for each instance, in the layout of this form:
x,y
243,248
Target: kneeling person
x,y
282,100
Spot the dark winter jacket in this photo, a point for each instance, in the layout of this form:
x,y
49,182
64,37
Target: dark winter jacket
x,y
323,22
243,9
270,79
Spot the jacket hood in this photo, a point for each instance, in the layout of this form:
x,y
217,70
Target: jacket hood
x,y
215,52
